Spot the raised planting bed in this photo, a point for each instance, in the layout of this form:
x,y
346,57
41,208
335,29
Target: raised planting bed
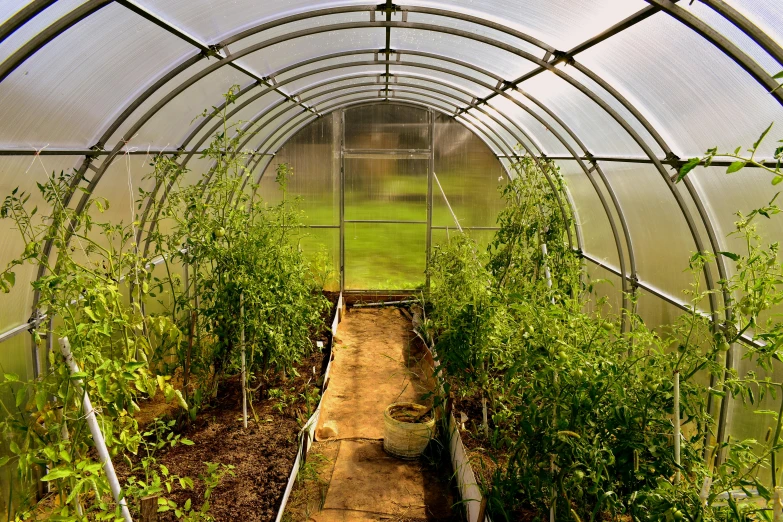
x,y
262,455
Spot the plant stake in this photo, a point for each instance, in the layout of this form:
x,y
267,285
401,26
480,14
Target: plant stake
x,y
677,425
244,370
95,430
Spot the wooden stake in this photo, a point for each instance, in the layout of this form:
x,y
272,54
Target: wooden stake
x,y
149,509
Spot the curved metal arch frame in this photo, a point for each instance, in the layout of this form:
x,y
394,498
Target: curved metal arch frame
x,y
384,24
455,17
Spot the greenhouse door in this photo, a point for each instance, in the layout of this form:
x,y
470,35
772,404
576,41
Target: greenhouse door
x,y
386,197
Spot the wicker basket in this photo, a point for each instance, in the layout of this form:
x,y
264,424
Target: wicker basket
x,y
406,440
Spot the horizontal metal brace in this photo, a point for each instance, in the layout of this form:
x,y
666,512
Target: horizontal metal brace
x,y
384,222
633,159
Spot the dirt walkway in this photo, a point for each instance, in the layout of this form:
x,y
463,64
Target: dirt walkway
x,y
373,367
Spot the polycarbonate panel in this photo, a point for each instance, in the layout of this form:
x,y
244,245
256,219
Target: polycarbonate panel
x,y
316,175
270,60
384,256
662,241
31,29
404,79
154,98
499,133
463,70
687,86
560,23
469,174
383,188
764,14
337,62
197,17
736,36
180,116
656,313
466,84
346,96
278,139
744,420
431,100
387,127
276,121
24,172
594,126
516,64
309,80
606,296
321,246
482,134
244,115
593,221
544,140
306,25
314,90
518,138
120,186
483,238
67,92
625,114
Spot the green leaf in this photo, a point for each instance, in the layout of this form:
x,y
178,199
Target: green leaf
x,y
10,277
779,75
777,179
730,255
90,313
687,167
735,167
58,473
21,395
4,460
11,377
763,135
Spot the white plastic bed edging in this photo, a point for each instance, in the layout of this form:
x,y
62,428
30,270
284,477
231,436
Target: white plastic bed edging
x,y
307,434
460,463
463,471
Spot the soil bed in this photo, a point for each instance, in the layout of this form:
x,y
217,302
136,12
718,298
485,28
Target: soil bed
x,y
262,455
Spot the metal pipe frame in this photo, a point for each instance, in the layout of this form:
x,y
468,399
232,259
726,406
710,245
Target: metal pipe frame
x,y
669,7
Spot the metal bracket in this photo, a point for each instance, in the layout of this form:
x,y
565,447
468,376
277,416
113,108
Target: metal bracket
x,y
561,57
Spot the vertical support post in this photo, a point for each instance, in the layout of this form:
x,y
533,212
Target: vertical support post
x,y
677,425
430,173
342,201
95,431
244,367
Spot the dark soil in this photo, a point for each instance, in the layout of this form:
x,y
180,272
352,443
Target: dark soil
x,y
262,455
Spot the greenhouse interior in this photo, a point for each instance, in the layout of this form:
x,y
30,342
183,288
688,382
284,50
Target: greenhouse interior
x,y
279,260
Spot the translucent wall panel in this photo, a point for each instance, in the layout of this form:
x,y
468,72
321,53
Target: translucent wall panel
x,y
270,60
736,36
29,30
243,116
177,118
72,86
469,174
381,188
384,256
744,421
561,23
197,16
709,100
663,243
323,64
315,179
466,84
322,248
414,80
386,127
544,140
24,172
592,219
764,14
310,80
606,296
120,186
153,99
596,128
481,133
441,236
501,61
